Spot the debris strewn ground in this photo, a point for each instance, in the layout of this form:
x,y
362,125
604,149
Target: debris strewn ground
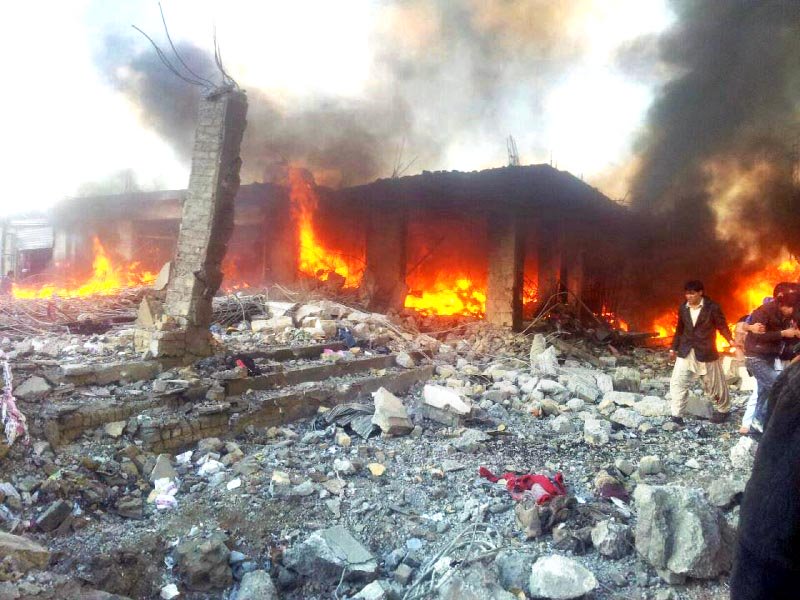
x,y
328,452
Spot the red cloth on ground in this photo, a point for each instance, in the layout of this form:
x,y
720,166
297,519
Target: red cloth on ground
x,y
517,485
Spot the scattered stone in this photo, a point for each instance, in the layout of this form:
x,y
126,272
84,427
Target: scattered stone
x,y
699,406
377,469
32,388
652,406
650,465
624,466
54,515
471,440
743,454
473,583
115,428
514,569
325,553
163,469
560,578
622,398
562,425
377,590
257,585
627,379
444,405
204,563
22,553
405,360
576,404
343,440
725,492
680,534
612,540
403,573
390,414
693,463
596,432
627,418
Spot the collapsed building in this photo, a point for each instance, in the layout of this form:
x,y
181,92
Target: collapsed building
x,y
517,234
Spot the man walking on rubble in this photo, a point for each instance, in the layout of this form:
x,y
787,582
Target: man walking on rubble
x,y
699,319
777,341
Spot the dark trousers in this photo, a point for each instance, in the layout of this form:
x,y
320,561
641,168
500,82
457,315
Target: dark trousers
x,y
755,579
763,369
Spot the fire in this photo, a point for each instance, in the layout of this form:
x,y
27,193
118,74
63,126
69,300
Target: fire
x,y
456,295
106,280
314,259
614,320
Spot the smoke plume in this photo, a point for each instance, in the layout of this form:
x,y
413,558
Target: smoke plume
x,y
716,159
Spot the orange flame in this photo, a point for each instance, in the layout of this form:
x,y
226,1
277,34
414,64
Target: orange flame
x,y
314,259
105,280
449,295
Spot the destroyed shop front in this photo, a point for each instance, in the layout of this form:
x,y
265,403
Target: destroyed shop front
x,y
498,245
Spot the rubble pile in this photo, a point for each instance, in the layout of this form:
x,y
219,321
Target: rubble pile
x,y
329,452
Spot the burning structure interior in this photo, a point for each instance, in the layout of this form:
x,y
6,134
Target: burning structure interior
x,y
483,244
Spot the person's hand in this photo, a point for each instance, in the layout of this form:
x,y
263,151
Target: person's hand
x,y
757,328
792,332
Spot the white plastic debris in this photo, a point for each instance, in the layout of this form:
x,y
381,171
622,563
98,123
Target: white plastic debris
x,y
185,458
163,494
234,483
170,591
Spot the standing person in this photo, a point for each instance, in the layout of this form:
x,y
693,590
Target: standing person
x,y
780,319
699,319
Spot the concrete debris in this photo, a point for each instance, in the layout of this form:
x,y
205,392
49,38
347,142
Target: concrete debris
x,y
596,432
31,388
473,583
326,553
257,585
203,563
560,578
743,455
22,554
612,540
390,413
680,534
259,470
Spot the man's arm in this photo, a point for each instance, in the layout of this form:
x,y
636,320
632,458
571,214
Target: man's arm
x,y
676,340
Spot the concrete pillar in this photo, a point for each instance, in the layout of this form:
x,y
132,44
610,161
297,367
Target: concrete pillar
x,y
384,287
550,259
206,226
574,269
506,254
126,241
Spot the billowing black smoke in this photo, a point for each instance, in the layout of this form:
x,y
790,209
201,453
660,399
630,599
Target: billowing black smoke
x,y
731,113
443,73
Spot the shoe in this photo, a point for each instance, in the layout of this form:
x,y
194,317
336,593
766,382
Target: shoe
x,y
678,420
719,417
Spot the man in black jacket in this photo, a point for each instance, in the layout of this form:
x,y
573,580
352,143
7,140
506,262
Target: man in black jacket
x,y
767,561
699,319
780,319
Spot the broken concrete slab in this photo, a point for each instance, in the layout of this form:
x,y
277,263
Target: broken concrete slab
x,y
390,413
327,553
444,405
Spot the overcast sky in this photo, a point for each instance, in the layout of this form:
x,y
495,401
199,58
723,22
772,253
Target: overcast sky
x,y
571,91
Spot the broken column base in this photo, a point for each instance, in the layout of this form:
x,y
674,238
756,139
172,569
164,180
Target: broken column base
x,y
177,342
